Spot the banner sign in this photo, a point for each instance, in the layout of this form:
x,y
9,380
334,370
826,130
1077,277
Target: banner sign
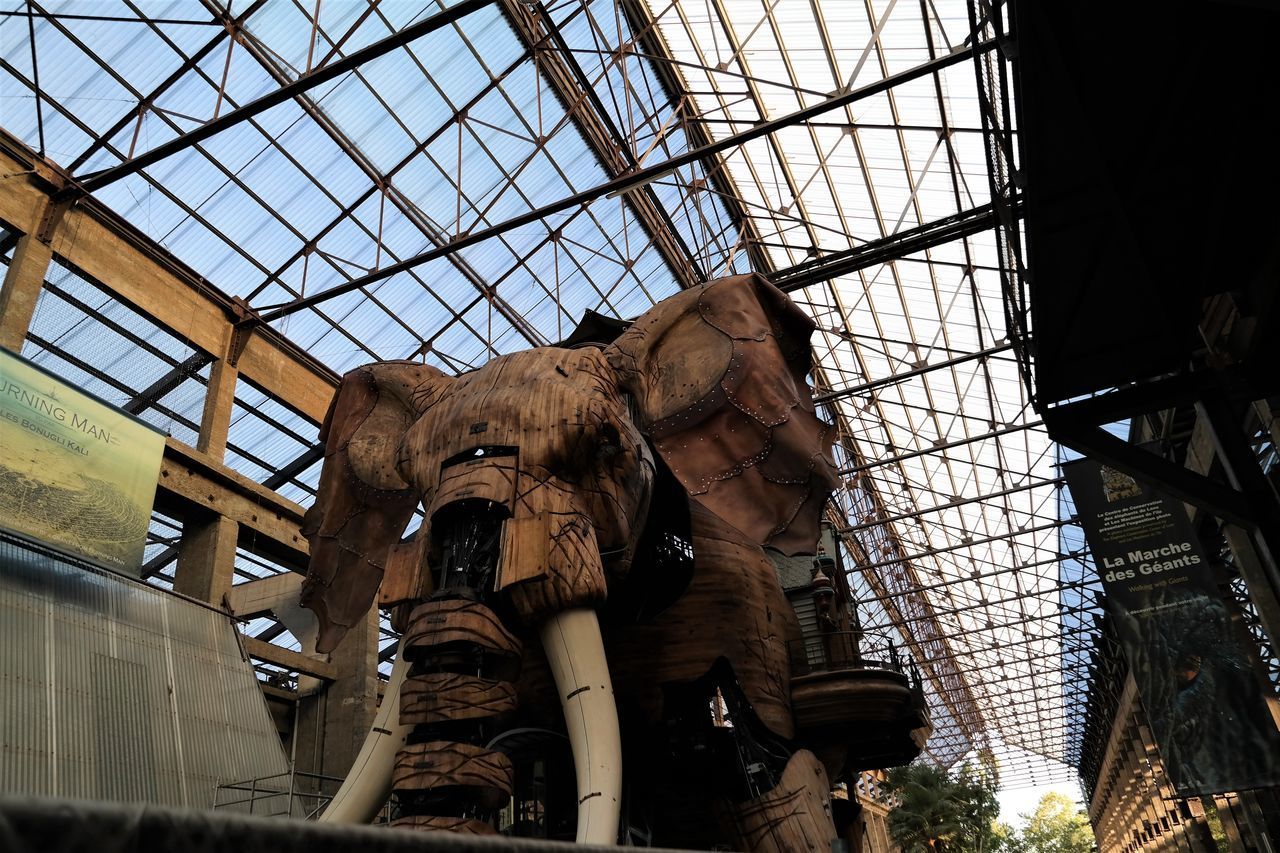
x,y
75,473
1207,711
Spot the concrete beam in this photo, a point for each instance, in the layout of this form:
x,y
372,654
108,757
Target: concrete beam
x,y
258,598
280,693
138,272
279,596
219,403
293,661
21,290
191,481
206,557
297,384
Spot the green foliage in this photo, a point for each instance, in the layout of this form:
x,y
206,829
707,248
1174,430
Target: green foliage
x,y
1007,839
1056,826
941,813
1214,820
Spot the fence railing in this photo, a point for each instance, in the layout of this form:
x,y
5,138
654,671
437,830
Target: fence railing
x,y
834,651
294,794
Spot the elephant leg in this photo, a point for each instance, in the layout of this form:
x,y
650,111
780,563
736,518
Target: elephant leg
x,y
457,694
793,817
461,663
788,795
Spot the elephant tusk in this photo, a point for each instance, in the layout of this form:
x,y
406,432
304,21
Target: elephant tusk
x,y
575,650
368,784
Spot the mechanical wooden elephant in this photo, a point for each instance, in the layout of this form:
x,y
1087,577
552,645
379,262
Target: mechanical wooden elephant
x,y
590,570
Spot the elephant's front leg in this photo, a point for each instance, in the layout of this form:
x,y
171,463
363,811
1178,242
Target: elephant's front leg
x,y
464,662
460,690
456,696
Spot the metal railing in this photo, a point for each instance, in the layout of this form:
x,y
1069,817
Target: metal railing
x,y
835,651
293,794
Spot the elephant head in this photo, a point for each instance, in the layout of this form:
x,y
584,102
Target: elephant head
x,y
535,473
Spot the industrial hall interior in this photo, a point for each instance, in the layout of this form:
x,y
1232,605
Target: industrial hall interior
x,y
830,426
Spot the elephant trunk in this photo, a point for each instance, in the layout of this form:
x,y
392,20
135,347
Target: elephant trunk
x,y
575,650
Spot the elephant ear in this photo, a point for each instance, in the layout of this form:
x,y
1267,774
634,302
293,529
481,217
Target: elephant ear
x,y
718,376
362,504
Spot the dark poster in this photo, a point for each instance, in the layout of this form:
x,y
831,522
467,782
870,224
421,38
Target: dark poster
x,y
1206,708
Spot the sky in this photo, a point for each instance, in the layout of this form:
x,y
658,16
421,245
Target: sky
x,y
1020,801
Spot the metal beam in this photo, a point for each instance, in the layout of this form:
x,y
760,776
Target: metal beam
x,y
135,114
147,397
1054,481
578,96
382,182
1183,483
937,448
974,605
98,180
665,67
285,473
633,180
958,545
911,374
957,584
885,249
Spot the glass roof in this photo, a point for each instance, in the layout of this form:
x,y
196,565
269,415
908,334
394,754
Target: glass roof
x,y
376,181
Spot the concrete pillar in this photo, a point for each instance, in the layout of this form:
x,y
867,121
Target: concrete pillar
x,y
206,557
219,403
332,723
21,289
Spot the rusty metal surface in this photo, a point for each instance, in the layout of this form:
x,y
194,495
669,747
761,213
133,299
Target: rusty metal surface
x,y
733,609
719,375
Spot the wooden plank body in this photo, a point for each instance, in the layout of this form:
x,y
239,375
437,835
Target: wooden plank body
x,y
442,696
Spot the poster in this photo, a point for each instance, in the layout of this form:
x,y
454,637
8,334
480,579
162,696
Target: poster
x,y
1207,711
75,473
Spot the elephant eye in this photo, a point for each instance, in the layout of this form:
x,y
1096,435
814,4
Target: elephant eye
x,y
610,440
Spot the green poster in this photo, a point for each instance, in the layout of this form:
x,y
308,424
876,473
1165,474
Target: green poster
x,y
75,473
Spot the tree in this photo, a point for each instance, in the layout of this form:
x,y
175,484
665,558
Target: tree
x,y
979,809
1007,839
938,813
1056,826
